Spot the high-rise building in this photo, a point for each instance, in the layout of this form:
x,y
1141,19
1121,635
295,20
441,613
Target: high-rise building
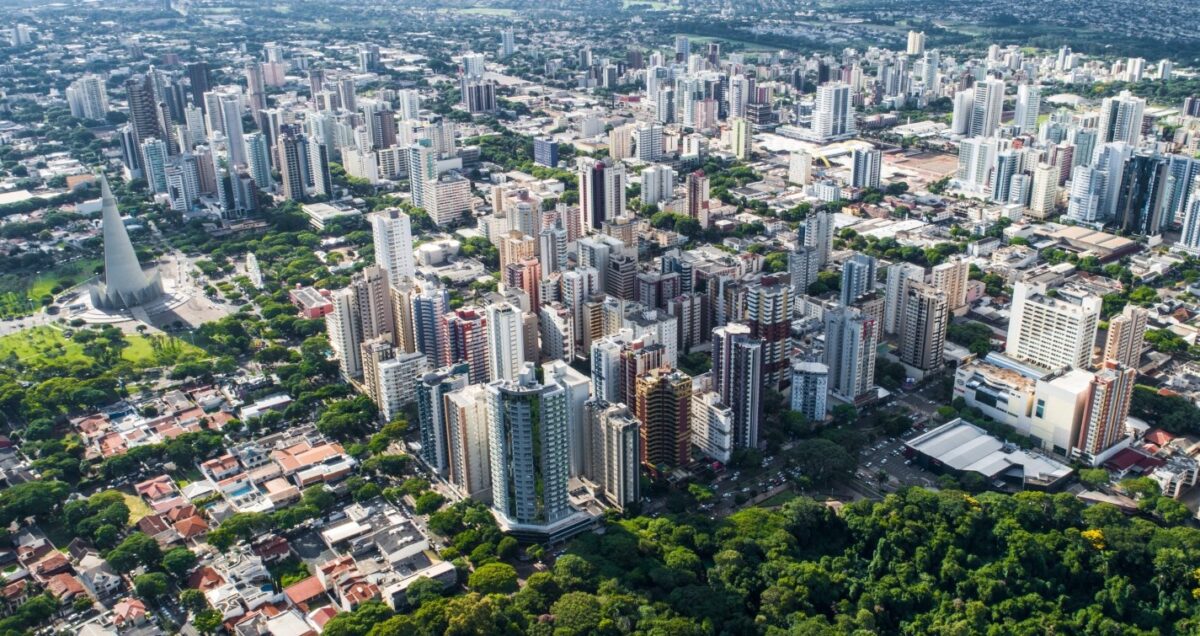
x,y
712,425
859,273
850,339
615,452
1126,337
467,442
1087,190
231,117
1142,194
256,92
818,234
466,341
696,197
398,377
293,162
392,230
898,276
649,141
410,104
865,167
529,450
1045,191
422,170
1189,239
480,96
432,388
1053,329
1121,119
800,168
952,277
683,48
620,142
741,137
987,107
429,303
143,111
663,406
737,374
924,316
199,80
508,44
769,315
557,325
258,156
525,275
506,341
803,269
1104,419
658,184
601,191
1029,98
374,302
343,328
154,164
833,113
318,168
810,388
916,43
545,151
87,98
577,389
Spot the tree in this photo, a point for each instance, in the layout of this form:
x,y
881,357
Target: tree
x,y
507,548
422,591
576,613
702,494
1093,477
207,621
193,600
137,549
493,578
151,586
428,502
822,461
178,562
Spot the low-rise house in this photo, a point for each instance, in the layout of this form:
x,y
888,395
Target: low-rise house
x,y
98,576
129,612
66,588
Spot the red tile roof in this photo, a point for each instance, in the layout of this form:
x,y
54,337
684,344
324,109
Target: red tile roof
x,y
304,591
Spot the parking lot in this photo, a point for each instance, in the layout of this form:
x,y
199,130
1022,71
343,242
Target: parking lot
x,y
887,455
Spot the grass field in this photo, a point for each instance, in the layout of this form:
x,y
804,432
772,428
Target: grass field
x,y
747,45
487,11
137,508
653,6
48,343
774,501
20,296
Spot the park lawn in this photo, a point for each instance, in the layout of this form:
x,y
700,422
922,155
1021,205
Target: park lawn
x,y
774,501
21,297
652,5
73,273
137,508
748,45
487,11
40,343
45,342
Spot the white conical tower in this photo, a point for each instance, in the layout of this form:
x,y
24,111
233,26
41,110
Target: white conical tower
x,y
125,284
